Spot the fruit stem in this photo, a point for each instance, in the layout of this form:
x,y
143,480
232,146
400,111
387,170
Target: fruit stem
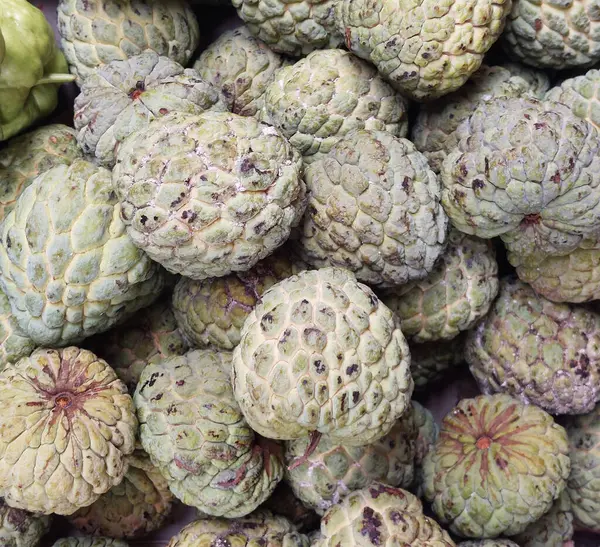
x,y
315,438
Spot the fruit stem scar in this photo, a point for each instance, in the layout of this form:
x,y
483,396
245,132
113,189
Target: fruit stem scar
x,y
483,443
315,437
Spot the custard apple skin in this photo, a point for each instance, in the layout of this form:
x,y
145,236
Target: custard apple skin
x,y
427,434
242,67
19,528
453,297
214,194
322,97
212,312
556,34
538,351
125,96
380,515
374,209
74,402
488,543
89,542
14,344
425,49
434,129
219,468
332,471
96,32
321,353
430,361
29,155
261,528
582,486
67,265
477,480
527,171
581,94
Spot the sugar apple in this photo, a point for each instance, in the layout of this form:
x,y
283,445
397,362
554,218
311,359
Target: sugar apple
x,y
67,428
497,466
327,94
149,336
453,297
431,360
14,343
66,263
380,515
488,543
527,171
19,528
374,208
242,67
427,434
89,542
581,94
582,486
540,352
425,48
125,96
332,471
212,312
194,431
135,507
320,353
260,528
94,33
29,155
434,129
554,33
211,194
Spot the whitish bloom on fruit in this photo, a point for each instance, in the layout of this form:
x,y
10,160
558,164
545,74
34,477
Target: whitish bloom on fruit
x,y
212,312
430,361
425,49
241,66
211,194
497,466
374,209
538,351
89,542
27,156
527,171
554,33
67,428
332,471
95,33
125,96
19,528
321,353
581,94
14,343
329,93
67,265
453,297
195,433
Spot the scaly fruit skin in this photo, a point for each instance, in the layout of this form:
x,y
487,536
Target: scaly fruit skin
x,y
76,403
488,543
242,67
94,33
380,515
89,542
212,312
228,197
538,351
324,96
332,470
259,529
453,297
553,33
29,155
67,264
19,528
527,171
424,49
497,466
321,353
427,434
374,208
430,361
14,344
582,486
581,94
434,130
221,469
125,96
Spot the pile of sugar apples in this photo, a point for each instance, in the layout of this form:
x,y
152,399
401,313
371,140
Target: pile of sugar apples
x,y
238,276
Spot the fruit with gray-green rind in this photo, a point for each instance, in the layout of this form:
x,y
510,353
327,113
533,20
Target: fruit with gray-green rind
x,y
321,353
67,265
581,94
214,194
14,343
540,352
324,96
19,528
374,209
427,434
89,542
125,96
431,360
497,466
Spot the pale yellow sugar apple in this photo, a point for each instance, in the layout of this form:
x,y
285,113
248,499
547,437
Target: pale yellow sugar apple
x,y
19,528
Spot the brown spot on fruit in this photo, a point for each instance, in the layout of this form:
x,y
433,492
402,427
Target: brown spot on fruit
x,y
135,93
538,25
531,220
370,526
